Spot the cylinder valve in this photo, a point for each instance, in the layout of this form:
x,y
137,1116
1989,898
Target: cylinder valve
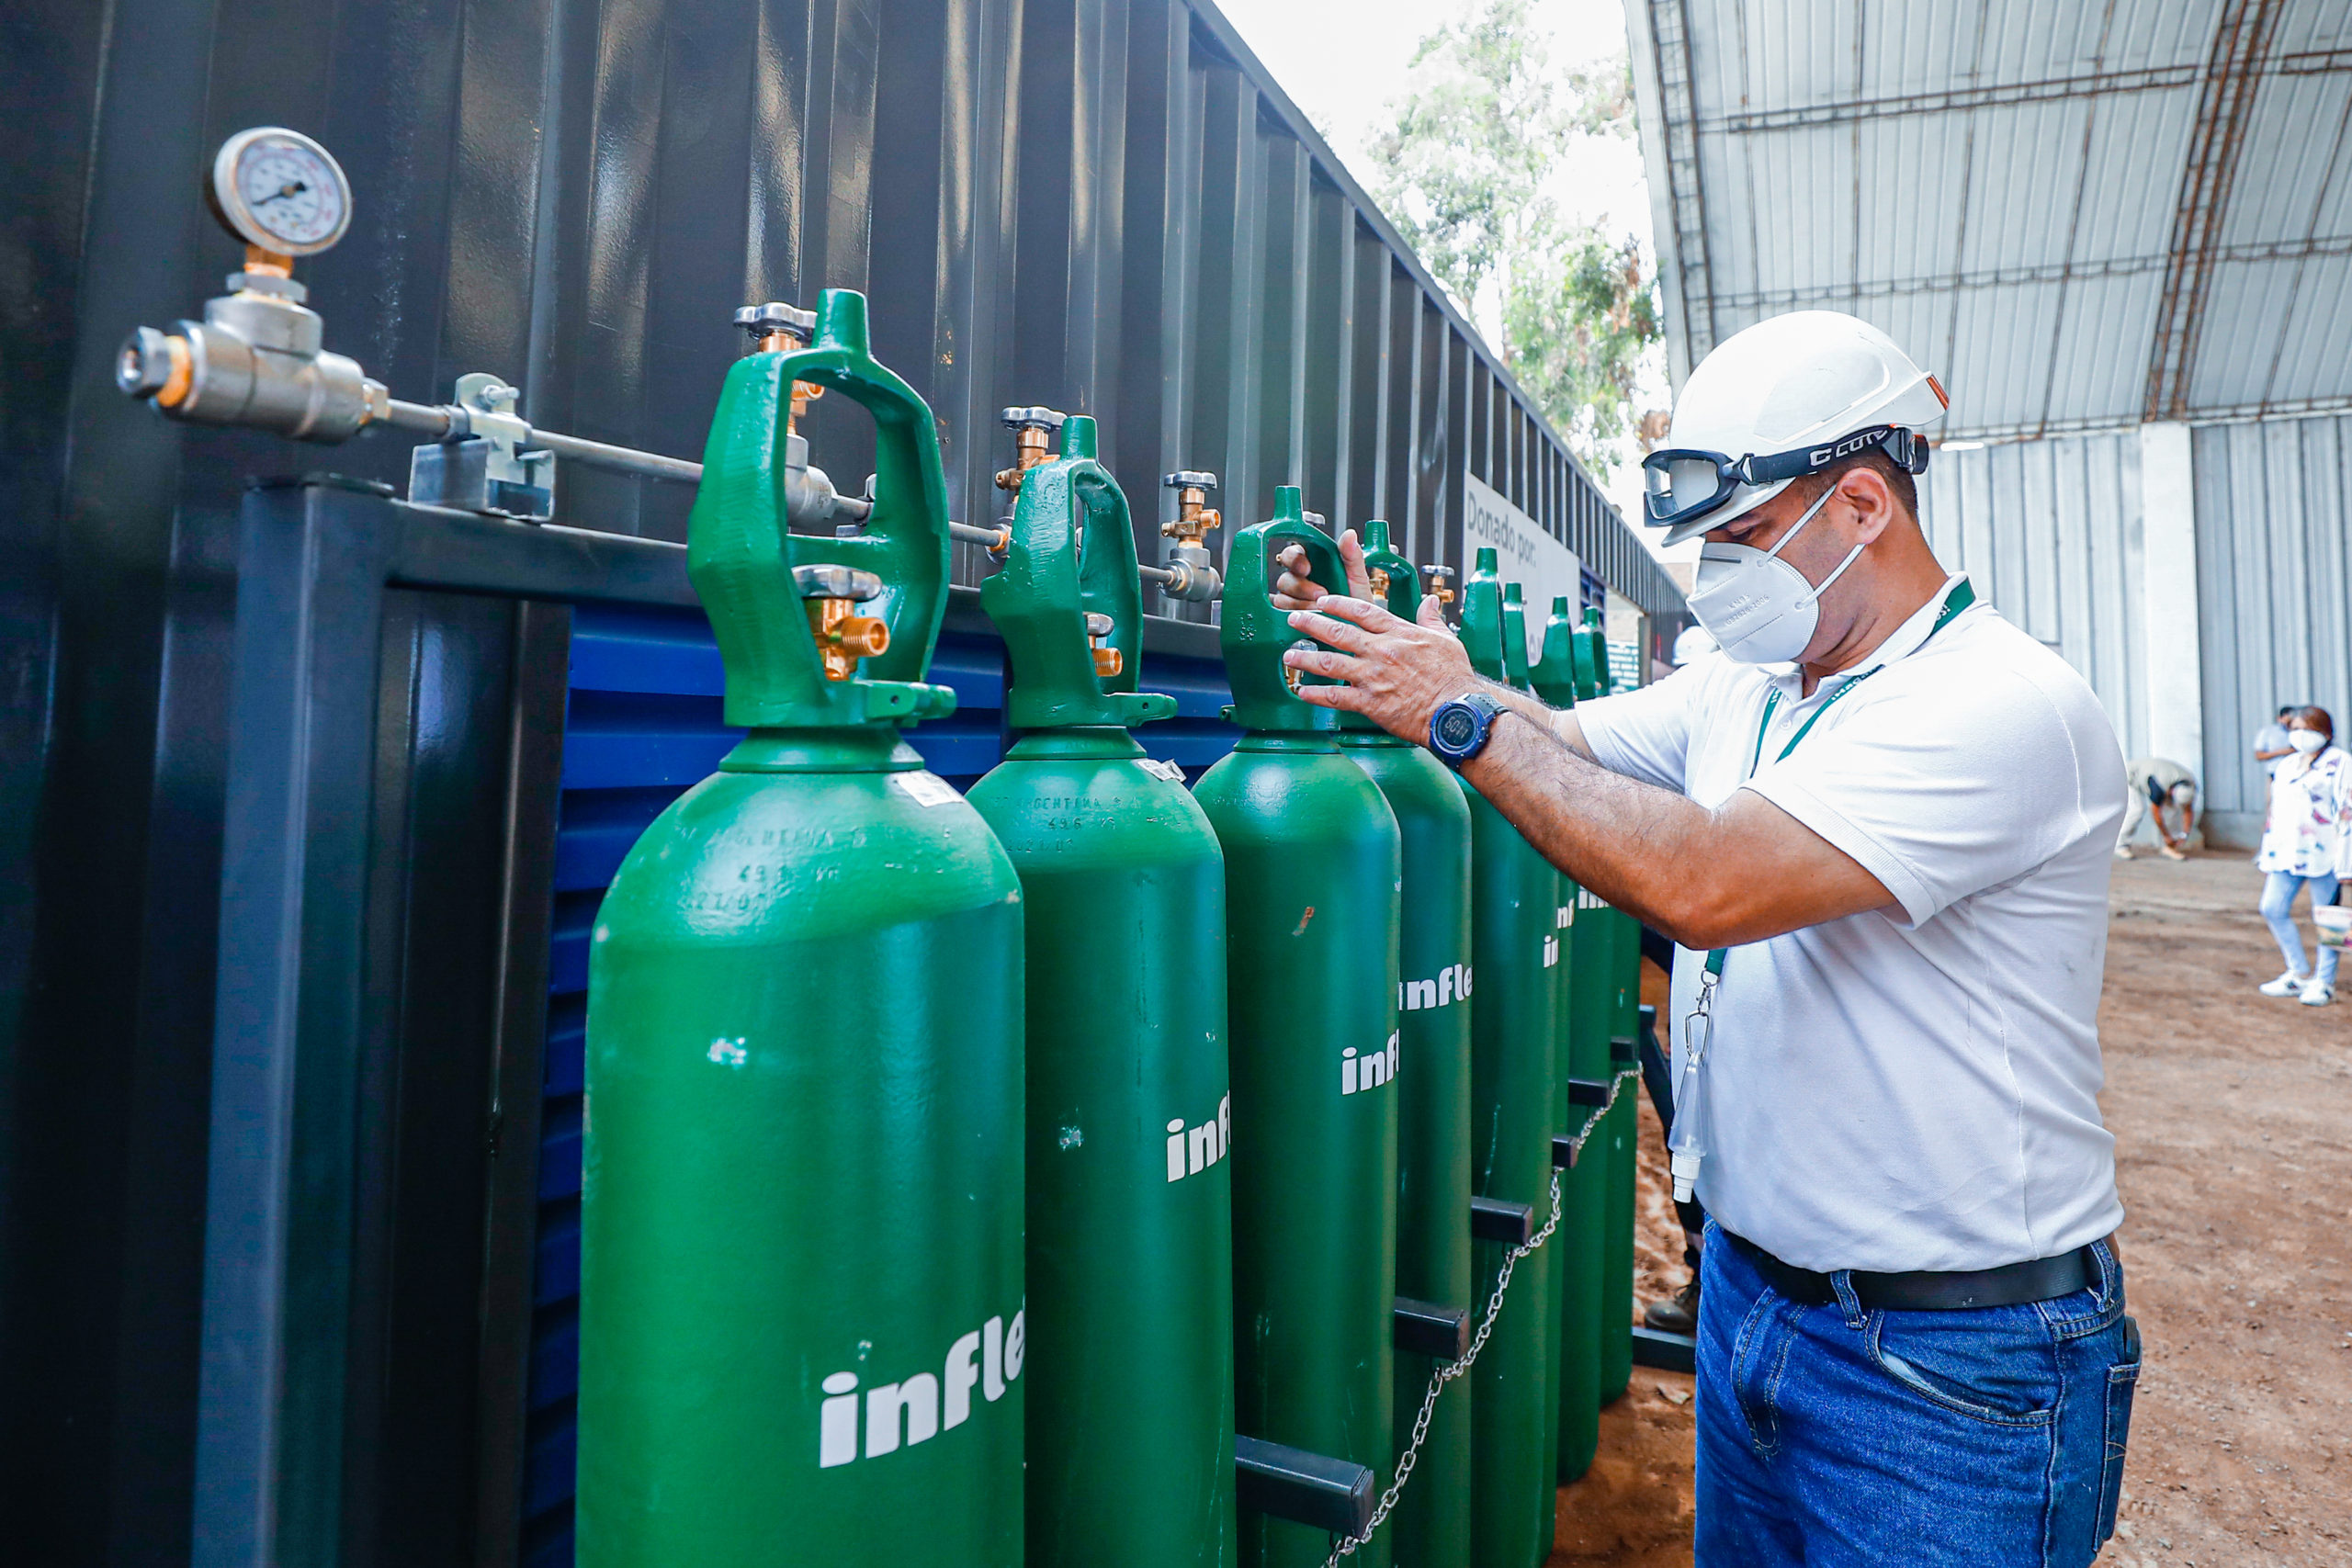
x,y
1190,575
1440,577
1032,433
843,637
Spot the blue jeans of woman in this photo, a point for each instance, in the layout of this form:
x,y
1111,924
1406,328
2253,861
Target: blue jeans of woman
x,y
2278,890
1838,1437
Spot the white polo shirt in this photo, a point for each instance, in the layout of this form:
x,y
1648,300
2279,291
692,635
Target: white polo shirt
x,y
1914,1088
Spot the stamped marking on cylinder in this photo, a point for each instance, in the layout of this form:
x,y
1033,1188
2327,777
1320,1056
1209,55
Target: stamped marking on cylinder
x,y
728,1053
1302,920
1551,950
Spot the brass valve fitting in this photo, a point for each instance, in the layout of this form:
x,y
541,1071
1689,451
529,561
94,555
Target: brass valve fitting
x,y
1192,517
778,328
829,594
1108,661
1033,431
1192,579
1438,577
1379,579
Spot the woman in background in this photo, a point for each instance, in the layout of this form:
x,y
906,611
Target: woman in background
x,y
2301,846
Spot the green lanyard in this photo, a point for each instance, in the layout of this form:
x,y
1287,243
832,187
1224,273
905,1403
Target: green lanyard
x,y
1961,598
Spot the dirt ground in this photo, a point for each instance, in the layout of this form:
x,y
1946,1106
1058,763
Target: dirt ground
x,y
2233,1117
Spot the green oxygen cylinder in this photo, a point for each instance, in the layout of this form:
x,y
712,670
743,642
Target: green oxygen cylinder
x,y
1311,866
1557,958
801,1330
1622,986
1514,1090
1130,1245
1584,1189
1430,1526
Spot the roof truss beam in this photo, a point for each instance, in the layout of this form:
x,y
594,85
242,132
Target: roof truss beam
x,y
2240,39
2088,85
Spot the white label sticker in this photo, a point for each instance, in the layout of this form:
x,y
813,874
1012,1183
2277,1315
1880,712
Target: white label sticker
x,y
927,789
1160,769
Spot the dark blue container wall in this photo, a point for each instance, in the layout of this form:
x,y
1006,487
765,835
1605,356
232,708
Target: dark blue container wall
x,y
643,726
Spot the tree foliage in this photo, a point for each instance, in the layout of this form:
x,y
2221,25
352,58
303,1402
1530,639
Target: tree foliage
x,y
1467,171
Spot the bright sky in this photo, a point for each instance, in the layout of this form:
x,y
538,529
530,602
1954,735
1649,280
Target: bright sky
x,y
1344,61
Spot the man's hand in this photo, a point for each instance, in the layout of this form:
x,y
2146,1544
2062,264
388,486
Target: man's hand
x,y
1396,671
1293,590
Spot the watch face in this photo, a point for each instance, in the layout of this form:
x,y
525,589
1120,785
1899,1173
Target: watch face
x,y
1456,727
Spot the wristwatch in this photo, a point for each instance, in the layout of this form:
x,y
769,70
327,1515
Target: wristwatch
x,y
1458,729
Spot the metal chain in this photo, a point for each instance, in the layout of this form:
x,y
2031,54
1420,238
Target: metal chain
x,y
1453,1369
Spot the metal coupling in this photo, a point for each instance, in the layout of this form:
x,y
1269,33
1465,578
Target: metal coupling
x,y
485,463
254,360
829,594
1439,576
1033,431
809,499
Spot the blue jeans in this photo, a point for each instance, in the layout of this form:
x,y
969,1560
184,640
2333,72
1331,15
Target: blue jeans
x,y
2278,890
1840,1438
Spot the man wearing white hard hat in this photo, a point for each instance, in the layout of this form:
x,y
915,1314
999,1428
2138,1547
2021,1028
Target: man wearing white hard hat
x,y
1879,825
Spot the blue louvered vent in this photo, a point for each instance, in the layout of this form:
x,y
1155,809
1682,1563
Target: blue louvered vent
x,y
644,723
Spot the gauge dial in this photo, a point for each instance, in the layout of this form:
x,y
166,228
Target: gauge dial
x,y
281,190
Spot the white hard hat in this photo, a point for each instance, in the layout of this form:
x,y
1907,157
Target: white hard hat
x,y
1784,397
1693,642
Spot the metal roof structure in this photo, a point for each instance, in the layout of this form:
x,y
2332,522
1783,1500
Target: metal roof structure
x,y
2081,216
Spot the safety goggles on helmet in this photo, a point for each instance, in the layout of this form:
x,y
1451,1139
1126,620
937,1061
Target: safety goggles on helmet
x,y
1682,483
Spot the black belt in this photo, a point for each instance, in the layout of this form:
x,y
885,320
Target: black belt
x,y
1927,1290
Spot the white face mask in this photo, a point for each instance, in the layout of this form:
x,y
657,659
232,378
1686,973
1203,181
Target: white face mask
x,y
2306,739
1761,609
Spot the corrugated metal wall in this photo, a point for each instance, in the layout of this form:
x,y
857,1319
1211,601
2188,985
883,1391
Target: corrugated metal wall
x,y
2272,510
2050,532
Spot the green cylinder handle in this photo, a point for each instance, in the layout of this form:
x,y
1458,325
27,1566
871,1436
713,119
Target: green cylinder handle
x,y
1515,637
1255,634
1071,555
1482,618
1592,657
1555,675
742,558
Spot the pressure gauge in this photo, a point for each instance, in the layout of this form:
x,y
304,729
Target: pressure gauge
x,y
281,190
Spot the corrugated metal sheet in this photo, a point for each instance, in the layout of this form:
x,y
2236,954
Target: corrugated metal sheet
x,y
2049,530
1999,184
2272,515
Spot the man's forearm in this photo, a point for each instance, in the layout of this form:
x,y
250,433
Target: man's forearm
x,y
1741,872
1627,840
1560,722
